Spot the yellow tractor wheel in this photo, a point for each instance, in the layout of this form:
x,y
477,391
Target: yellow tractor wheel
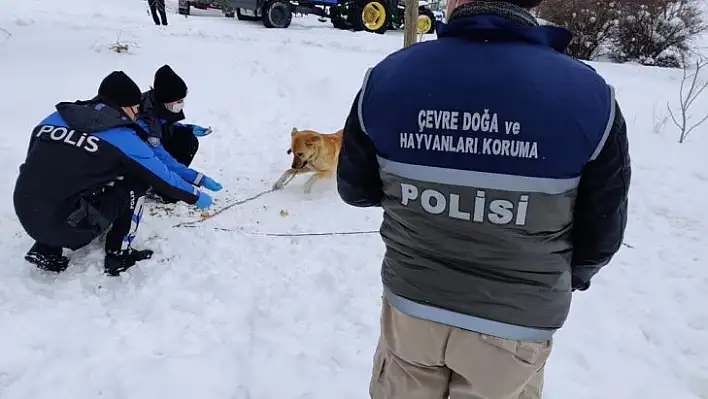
x,y
369,15
426,22
423,24
374,16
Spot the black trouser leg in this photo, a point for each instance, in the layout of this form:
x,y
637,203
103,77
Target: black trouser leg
x,y
182,144
161,8
126,212
124,206
153,11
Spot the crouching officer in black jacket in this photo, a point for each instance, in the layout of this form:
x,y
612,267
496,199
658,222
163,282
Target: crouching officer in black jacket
x,y
86,172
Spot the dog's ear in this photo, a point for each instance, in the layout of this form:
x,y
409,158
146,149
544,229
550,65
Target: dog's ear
x,y
312,140
293,132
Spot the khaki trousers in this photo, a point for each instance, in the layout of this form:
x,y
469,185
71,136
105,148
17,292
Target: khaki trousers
x,y
421,359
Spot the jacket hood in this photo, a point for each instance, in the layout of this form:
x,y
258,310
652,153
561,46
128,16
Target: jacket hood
x,y
92,116
498,28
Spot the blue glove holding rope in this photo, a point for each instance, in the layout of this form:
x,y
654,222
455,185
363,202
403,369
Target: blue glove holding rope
x,y
203,201
200,131
210,184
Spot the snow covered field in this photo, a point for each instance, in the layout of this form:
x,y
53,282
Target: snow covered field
x,y
233,314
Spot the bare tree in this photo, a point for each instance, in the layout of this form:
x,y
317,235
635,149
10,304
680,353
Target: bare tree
x,y
695,89
410,19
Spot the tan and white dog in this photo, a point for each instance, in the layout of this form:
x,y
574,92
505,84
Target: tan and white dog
x,y
313,152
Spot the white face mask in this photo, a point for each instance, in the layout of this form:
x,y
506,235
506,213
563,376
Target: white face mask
x,y
176,107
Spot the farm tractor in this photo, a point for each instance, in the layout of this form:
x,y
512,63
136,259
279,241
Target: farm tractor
x,y
375,16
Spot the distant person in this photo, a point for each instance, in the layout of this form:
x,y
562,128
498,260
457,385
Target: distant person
x,y
504,189
86,172
161,109
158,6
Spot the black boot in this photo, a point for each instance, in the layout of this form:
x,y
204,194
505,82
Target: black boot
x,y
47,257
120,261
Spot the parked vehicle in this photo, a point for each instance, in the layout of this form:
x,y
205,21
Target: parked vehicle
x,y
376,16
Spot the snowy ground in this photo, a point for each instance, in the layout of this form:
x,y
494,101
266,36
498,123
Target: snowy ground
x,y
231,314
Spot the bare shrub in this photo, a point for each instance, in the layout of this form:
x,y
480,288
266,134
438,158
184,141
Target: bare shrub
x,y
121,46
591,22
657,32
687,95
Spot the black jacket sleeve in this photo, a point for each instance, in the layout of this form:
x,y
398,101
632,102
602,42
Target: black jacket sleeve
x,y
600,216
358,180
179,129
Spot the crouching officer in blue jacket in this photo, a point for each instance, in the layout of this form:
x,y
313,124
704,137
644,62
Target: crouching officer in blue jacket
x,y
161,110
504,189
86,172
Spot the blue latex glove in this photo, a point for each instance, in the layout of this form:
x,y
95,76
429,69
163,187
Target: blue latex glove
x,y
200,131
204,201
210,184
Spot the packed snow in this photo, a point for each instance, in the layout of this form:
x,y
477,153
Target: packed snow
x,y
223,311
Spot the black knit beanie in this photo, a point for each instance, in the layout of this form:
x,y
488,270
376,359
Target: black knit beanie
x,y
168,86
119,89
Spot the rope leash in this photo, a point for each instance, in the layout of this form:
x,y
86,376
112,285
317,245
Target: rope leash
x,y
266,234
327,233
321,234
206,215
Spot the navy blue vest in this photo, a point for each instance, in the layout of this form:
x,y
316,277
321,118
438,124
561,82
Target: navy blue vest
x,y
490,95
481,137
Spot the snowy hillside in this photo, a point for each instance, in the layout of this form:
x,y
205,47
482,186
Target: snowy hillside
x,y
225,312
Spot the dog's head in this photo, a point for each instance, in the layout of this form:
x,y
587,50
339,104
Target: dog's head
x,y
304,145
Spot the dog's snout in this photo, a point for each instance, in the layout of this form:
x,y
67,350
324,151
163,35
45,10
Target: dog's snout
x,y
298,163
290,151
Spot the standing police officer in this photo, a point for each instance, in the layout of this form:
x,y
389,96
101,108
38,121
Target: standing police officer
x,y
157,7
504,189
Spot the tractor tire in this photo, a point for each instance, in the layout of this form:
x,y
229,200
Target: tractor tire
x,y
426,22
369,15
335,16
277,14
242,17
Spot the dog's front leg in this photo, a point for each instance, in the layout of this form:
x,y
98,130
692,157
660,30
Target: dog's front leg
x,y
314,178
280,183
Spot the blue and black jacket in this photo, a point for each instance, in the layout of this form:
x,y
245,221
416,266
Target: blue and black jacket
x,y
82,147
